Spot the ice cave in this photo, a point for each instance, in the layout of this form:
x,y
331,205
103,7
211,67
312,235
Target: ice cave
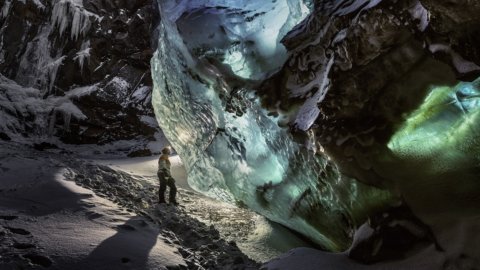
x,y
301,134
234,149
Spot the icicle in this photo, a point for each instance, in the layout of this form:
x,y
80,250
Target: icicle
x,y
6,9
52,69
34,63
67,116
51,124
83,54
71,13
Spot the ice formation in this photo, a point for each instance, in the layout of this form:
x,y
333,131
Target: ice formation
x,y
83,55
245,34
37,67
71,15
40,62
6,8
438,146
19,104
232,148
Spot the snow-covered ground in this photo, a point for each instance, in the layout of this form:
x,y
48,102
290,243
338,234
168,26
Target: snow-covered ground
x,y
48,221
256,236
62,211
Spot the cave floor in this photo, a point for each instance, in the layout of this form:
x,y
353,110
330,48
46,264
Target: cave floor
x,y
256,236
58,210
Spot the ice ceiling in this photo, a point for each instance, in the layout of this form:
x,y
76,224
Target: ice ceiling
x,y
211,55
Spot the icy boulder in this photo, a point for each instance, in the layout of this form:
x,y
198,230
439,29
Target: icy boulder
x,y
234,149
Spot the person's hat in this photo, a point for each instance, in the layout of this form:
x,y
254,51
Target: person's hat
x,y
166,150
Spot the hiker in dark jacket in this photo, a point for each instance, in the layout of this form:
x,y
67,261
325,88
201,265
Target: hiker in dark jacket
x,y
166,178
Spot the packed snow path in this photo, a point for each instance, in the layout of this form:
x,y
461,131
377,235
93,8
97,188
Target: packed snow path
x,y
257,237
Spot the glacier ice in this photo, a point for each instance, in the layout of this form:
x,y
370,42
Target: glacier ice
x,y
241,34
231,147
435,153
445,112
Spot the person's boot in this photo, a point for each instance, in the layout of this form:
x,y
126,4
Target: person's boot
x,y
161,200
174,203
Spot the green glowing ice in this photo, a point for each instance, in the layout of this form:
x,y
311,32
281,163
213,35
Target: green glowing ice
x,y
435,162
448,118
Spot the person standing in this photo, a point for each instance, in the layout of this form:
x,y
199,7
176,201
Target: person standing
x,y
165,178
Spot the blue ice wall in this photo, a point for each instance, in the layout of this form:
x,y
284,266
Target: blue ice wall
x,y
232,148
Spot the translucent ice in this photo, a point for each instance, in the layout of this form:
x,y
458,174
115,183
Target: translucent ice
x,y
231,147
242,34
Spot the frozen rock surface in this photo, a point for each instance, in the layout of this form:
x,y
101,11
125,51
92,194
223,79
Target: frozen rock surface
x,y
57,46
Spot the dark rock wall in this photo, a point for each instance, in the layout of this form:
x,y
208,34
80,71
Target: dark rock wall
x,y
356,68
115,39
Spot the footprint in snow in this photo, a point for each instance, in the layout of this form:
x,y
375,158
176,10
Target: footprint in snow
x,y
8,217
18,231
39,259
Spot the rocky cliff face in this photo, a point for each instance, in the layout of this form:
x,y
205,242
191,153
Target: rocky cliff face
x,y
59,46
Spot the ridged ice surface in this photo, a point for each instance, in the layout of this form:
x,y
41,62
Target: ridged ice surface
x,y
232,148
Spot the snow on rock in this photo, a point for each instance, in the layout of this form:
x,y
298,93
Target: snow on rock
x,y
120,83
151,121
421,14
461,65
142,95
81,91
20,104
